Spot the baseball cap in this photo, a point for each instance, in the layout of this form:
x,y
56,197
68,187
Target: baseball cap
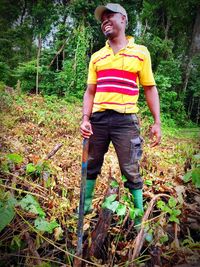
x,y
117,8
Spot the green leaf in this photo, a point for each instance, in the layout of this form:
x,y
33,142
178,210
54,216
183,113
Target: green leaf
x,y
124,179
197,156
114,184
121,210
167,209
30,204
173,219
187,177
30,168
44,226
113,206
138,212
125,198
164,239
161,204
148,182
196,177
149,236
110,205
111,198
7,212
132,213
172,202
15,158
16,242
176,212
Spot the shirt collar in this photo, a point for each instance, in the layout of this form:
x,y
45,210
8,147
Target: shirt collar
x,y
131,42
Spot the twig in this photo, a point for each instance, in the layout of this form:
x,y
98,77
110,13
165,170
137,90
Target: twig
x,y
24,191
176,235
53,151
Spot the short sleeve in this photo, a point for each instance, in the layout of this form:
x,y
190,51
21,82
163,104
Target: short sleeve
x,y
92,75
146,77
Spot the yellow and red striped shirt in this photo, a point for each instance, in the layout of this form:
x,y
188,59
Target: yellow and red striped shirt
x,y
117,76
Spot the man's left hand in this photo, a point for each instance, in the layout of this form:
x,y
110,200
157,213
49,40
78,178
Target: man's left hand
x,y
155,134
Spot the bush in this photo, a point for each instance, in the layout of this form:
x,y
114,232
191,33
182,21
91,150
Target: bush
x,y
26,73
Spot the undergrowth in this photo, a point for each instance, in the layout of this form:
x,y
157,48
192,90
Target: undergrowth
x,y
39,190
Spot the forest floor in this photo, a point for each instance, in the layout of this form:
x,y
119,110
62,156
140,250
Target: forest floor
x,y
39,191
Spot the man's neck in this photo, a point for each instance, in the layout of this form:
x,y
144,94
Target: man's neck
x,y
118,43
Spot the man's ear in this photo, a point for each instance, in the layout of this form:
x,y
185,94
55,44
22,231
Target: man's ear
x,y
123,18
124,21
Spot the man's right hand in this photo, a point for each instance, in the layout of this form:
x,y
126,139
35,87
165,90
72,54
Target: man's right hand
x,y
86,129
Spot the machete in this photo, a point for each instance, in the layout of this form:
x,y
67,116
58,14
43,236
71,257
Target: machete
x,y
82,196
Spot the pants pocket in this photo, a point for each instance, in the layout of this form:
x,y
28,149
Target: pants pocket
x,y
136,149
135,121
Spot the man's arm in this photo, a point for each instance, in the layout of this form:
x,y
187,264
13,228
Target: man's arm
x,y
152,98
86,128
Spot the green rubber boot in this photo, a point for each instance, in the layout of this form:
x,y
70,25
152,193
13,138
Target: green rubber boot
x,y
89,192
138,203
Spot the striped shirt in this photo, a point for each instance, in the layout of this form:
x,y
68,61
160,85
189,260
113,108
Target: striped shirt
x,y
117,77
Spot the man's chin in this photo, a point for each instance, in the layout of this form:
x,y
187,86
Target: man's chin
x,y
108,34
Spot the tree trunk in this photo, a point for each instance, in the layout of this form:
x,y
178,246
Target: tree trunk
x,y
168,24
191,107
23,13
38,62
194,48
198,111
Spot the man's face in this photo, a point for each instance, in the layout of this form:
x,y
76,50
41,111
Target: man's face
x,y
112,23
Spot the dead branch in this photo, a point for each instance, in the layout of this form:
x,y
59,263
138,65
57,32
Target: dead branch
x,y
139,240
57,53
53,151
100,232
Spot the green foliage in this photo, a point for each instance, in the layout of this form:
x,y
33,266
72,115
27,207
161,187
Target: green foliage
x,y
26,73
159,25
163,239
194,174
170,208
7,212
30,204
30,168
4,72
124,179
114,183
6,99
15,158
81,60
148,182
44,226
111,203
16,243
123,205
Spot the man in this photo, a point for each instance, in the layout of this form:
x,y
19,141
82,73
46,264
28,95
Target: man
x,y
110,103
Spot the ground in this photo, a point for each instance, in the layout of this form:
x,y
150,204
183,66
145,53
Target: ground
x,y
39,192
